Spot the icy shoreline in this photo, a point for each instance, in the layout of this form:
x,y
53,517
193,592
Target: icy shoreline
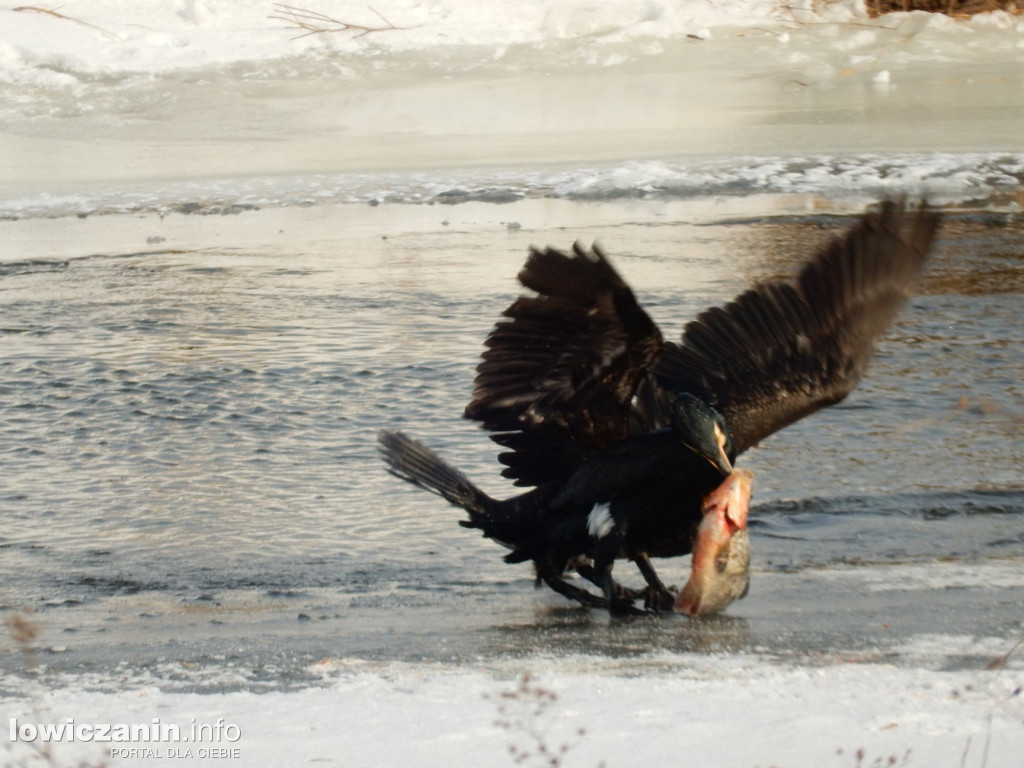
x,y
709,711
213,105
104,38
991,179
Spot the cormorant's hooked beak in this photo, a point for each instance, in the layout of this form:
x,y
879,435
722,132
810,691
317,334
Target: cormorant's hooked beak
x,y
721,555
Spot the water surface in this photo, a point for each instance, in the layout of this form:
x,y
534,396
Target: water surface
x,y
191,483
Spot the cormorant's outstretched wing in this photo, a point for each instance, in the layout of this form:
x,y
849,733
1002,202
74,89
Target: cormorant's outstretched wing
x,y
781,351
558,375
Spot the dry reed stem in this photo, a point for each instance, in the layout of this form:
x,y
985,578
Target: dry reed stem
x,y
523,713
318,23
53,12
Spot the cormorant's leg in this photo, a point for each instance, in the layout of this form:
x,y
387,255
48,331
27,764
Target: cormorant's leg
x,y
605,549
566,589
586,570
549,570
657,596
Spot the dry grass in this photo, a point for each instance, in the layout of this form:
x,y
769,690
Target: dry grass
x,y
955,8
53,12
314,23
24,629
522,712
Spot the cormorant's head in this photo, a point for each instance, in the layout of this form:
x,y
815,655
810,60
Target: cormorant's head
x,y
720,572
703,430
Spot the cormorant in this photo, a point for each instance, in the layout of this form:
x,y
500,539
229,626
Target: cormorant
x,y
627,440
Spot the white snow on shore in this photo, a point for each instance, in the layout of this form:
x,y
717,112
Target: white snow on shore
x,y
223,103
715,711
106,37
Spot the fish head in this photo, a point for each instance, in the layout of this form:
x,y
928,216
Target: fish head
x,y
720,572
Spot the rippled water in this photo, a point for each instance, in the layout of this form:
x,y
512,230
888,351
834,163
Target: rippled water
x,y
188,442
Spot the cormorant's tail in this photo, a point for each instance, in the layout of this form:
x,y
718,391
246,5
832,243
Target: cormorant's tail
x,y
412,461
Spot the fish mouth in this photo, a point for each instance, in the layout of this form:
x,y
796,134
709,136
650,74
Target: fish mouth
x,y
721,555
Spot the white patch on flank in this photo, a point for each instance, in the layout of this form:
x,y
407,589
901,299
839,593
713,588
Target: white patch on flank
x,y
599,521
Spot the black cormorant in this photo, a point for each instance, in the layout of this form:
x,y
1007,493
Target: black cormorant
x,y
627,440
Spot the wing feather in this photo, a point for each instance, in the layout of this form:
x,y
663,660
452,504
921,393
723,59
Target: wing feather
x,y
577,364
561,367
781,351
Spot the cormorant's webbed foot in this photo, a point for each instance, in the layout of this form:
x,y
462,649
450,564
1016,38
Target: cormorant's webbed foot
x,y
581,596
620,600
620,603
617,600
585,569
657,597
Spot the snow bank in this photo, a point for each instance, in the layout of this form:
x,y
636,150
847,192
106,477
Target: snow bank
x,y
698,711
103,37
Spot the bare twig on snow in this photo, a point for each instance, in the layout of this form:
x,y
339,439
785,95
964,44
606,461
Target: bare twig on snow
x,y
53,12
318,23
